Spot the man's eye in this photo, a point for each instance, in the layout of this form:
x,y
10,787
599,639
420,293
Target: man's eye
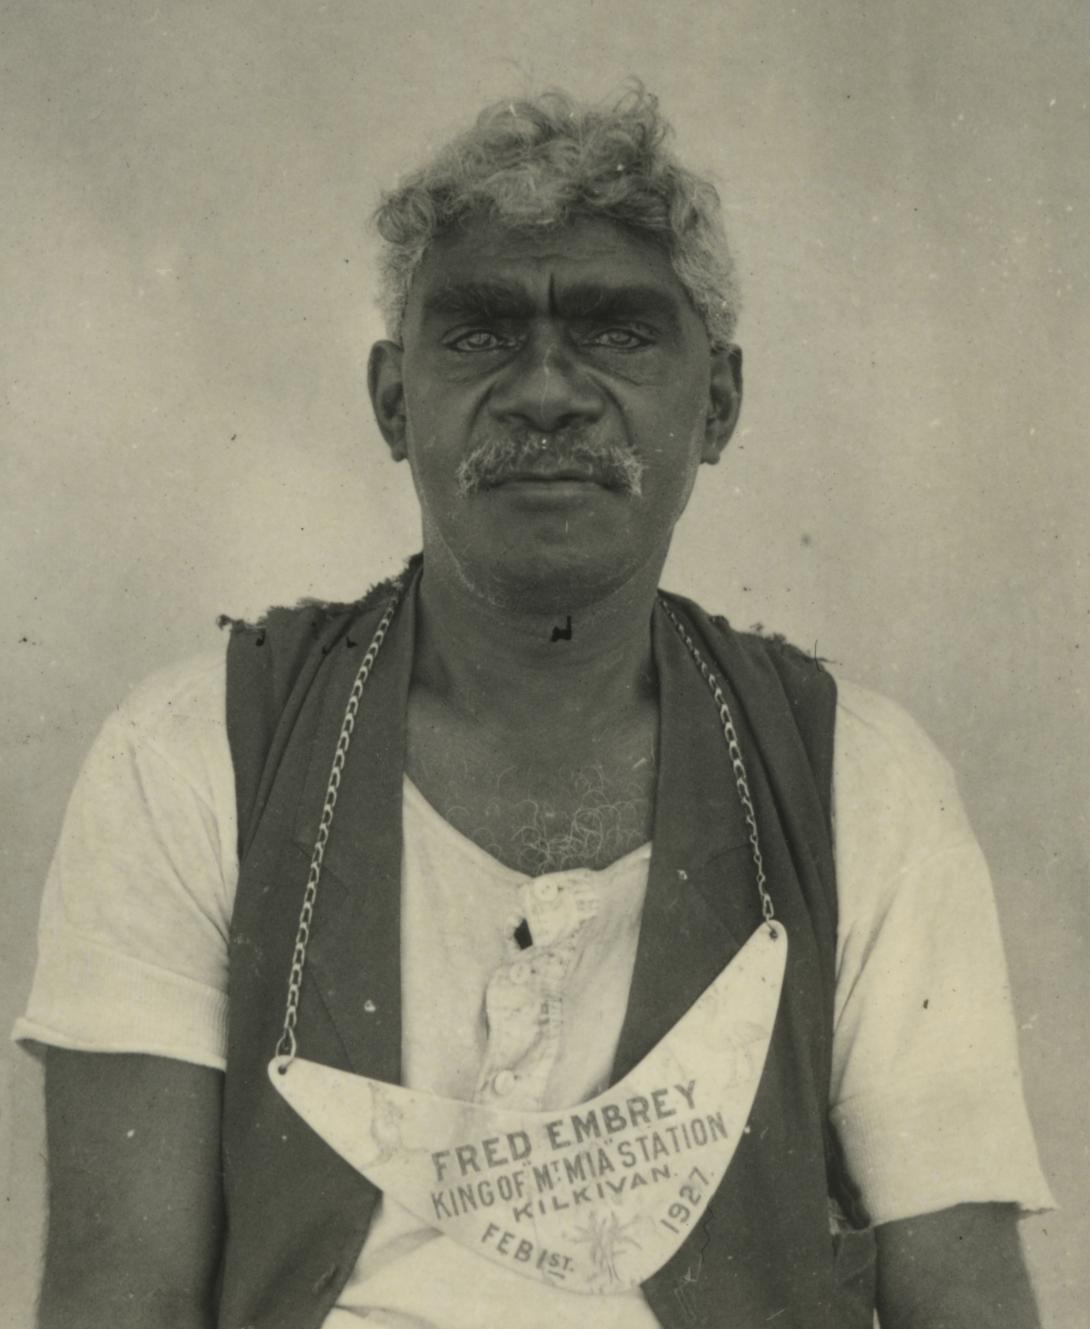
x,y
619,338
479,339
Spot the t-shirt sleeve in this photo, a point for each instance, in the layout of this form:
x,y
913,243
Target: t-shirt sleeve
x,y
132,941
927,1093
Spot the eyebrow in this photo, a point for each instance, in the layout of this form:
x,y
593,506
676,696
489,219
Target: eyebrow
x,y
484,299
601,300
498,299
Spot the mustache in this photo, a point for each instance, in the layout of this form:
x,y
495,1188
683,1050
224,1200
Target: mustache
x,y
498,456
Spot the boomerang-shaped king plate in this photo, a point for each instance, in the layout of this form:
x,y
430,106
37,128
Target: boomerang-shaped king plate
x,y
593,1198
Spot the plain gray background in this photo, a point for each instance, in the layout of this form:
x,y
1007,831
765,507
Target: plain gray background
x,y
188,307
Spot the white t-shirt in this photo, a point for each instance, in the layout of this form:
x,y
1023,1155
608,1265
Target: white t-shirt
x,y
926,1092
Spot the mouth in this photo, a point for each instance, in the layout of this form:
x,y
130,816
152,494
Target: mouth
x,y
538,490
539,476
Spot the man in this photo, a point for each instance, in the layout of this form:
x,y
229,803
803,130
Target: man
x,y
558,808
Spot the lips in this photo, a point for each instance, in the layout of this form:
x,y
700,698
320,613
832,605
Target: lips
x,y
541,475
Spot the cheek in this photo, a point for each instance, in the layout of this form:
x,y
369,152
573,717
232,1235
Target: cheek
x,y
686,479
424,432
675,449
438,422
673,463
418,417
423,457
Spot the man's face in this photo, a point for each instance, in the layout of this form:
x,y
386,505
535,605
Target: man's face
x,y
554,395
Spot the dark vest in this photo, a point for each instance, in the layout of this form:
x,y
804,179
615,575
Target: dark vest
x,y
297,1214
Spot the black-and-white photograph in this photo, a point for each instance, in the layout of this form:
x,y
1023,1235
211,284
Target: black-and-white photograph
x,y
546,694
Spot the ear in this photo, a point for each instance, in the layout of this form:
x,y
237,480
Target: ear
x,y
387,388
724,401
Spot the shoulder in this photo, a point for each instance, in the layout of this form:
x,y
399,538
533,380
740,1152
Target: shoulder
x,y
189,691
881,724
266,657
908,862
886,764
758,643
766,666
311,616
179,713
160,768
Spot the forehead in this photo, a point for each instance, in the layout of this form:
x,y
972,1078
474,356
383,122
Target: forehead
x,y
543,261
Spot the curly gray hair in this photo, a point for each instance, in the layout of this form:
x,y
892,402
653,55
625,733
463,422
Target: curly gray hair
x,y
548,160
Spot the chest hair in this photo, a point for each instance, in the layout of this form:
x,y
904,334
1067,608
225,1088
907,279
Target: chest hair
x,y
540,816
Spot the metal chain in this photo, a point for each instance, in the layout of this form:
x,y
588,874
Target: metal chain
x,y
287,1045
737,764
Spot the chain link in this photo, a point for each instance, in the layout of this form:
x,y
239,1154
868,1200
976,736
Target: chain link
x,y
737,764
286,1047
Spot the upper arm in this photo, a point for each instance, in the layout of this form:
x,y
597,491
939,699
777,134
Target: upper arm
x,y
926,1094
135,1192
959,1267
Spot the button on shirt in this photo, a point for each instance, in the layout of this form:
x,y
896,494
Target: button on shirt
x,y
544,1036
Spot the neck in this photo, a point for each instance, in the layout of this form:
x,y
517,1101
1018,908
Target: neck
x,y
524,668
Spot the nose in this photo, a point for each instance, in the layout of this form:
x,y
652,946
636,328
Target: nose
x,y
546,388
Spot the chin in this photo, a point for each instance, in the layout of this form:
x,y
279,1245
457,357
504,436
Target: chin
x,y
537,570
553,582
